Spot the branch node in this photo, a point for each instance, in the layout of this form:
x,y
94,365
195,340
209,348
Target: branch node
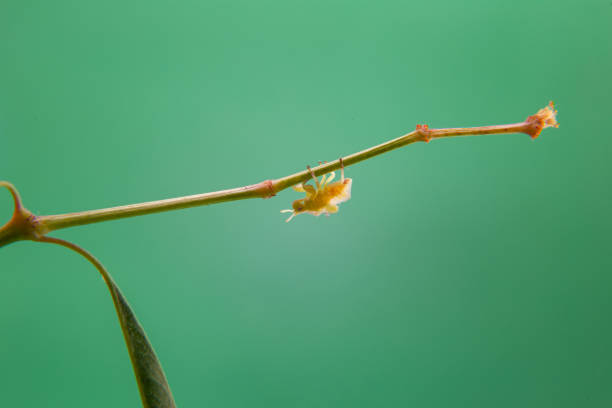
x,y
22,225
424,132
265,189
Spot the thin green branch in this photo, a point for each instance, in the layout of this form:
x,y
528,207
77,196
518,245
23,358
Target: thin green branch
x,y
54,222
532,126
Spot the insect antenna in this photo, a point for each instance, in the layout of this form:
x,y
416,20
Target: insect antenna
x,y
289,211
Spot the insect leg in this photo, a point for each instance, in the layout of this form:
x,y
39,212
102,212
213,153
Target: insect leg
x,y
341,170
323,180
314,177
330,177
310,190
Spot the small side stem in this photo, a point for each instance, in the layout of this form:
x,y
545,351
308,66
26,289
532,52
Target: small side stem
x,y
14,193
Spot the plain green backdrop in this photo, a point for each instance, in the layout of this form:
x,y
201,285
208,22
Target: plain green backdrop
x,y
468,272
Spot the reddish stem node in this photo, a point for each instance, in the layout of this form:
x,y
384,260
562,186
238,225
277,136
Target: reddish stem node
x,y
424,132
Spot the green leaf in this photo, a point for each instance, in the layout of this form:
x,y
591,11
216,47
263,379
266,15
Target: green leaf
x,y
154,389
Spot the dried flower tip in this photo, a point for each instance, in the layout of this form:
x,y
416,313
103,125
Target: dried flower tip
x,y
546,117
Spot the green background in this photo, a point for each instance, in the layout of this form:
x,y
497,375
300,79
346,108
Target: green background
x,y
468,272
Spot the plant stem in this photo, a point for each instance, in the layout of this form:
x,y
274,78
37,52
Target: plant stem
x,y
532,126
54,222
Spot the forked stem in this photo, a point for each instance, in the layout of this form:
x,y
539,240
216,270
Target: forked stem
x,y
22,224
